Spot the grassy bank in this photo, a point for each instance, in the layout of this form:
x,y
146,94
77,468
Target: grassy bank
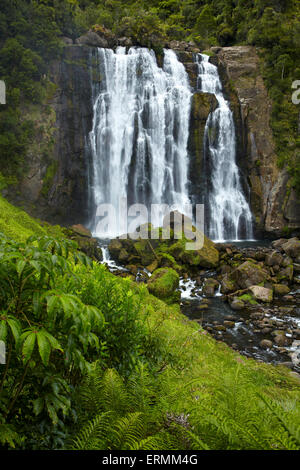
x,y
96,362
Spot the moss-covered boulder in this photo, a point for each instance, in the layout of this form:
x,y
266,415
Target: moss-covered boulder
x,y
206,257
170,252
250,274
164,283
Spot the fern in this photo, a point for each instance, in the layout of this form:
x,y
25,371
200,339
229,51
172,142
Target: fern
x,y
288,435
92,434
8,436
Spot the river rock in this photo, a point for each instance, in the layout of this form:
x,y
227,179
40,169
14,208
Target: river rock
x,y
274,258
209,287
292,247
250,274
237,304
261,293
266,344
278,243
282,340
229,324
281,289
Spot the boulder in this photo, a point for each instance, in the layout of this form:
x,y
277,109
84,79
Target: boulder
x,y
282,340
125,42
286,273
115,248
279,243
209,287
292,247
250,274
164,283
261,293
266,344
228,285
281,289
237,304
274,258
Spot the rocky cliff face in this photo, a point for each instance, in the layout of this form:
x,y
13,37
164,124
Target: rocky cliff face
x,y
55,183
273,204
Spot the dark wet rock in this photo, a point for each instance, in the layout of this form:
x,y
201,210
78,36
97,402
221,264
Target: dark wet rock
x,y
266,344
278,243
282,340
220,328
229,324
286,273
228,285
210,286
274,258
292,247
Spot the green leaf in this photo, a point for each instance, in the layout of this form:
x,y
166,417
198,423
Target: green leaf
x,y
44,347
52,303
54,343
38,406
15,327
28,346
20,266
3,330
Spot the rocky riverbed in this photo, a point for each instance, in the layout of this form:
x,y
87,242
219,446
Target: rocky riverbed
x,y
245,294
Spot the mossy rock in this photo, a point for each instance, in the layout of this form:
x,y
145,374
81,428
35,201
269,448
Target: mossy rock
x,y
281,289
206,257
163,284
249,274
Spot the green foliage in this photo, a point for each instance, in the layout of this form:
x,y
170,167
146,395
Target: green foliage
x,y
50,334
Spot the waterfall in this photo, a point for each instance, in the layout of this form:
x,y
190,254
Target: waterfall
x,y
229,214
138,142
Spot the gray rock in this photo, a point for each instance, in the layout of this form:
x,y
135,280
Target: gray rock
x,y
292,247
261,293
91,39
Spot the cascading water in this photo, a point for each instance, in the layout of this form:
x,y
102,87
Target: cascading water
x,y
138,142
229,214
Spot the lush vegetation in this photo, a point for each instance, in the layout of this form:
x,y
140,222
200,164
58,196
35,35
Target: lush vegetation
x,y
30,32
96,362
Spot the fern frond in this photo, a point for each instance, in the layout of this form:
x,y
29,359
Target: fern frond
x,y
8,436
93,434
